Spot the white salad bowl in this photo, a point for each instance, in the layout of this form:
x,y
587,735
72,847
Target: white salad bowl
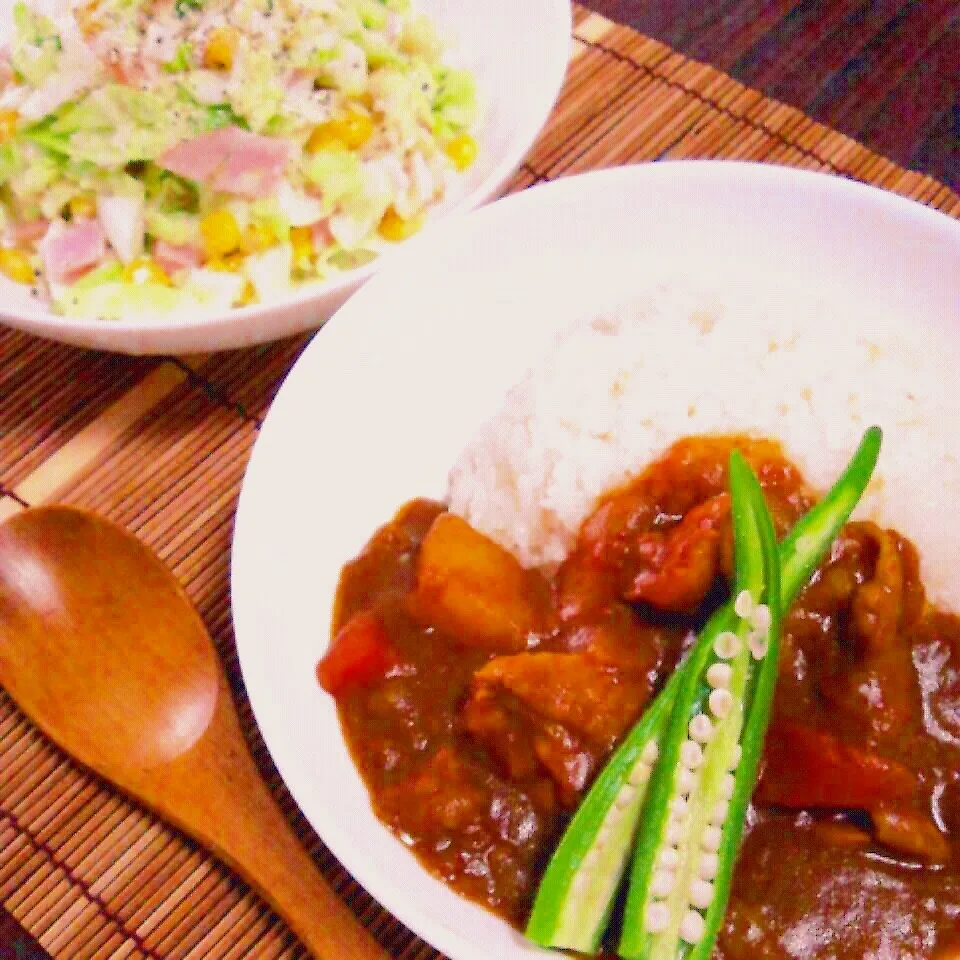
x,y
518,53
379,406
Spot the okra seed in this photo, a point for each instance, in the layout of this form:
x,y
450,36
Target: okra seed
x,y
727,786
686,781
590,860
735,757
727,645
650,753
658,917
743,605
761,618
758,647
679,806
624,797
721,702
720,811
711,839
669,858
691,754
640,774
692,927
709,865
661,885
675,835
701,894
701,728
719,676
580,883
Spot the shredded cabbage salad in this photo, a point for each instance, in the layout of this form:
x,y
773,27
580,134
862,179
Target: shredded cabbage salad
x,y
159,156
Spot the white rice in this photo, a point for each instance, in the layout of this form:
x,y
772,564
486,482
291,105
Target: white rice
x,y
615,391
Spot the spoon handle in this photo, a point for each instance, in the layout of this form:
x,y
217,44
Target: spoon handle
x,y
231,812
260,845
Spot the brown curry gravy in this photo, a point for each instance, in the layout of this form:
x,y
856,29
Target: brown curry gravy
x,y
479,775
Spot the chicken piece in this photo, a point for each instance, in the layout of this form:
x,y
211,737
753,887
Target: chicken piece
x,y
473,589
561,709
569,765
608,534
572,689
583,586
442,796
881,685
674,570
618,639
936,649
500,725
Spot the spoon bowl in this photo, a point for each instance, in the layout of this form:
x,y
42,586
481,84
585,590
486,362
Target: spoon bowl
x,y
102,649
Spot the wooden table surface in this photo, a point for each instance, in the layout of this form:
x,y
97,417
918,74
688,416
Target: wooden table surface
x,y
885,72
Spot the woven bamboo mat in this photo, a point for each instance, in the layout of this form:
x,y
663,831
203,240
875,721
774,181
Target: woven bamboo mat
x,y
160,446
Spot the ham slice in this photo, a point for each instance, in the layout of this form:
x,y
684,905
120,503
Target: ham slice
x,y
321,236
175,257
68,250
230,160
28,233
6,69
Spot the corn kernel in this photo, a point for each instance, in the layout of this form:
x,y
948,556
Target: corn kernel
x,y
357,129
394,228
82,206
301,238
218,53
258,237
145,270
351,131
15,264
220,232
231,263
248,295
323,137
462,150
8,124
87,19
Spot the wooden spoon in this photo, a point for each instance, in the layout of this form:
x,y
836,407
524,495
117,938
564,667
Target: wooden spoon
x,y
104,652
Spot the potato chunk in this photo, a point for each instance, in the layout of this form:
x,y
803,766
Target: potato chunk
x,y
472,588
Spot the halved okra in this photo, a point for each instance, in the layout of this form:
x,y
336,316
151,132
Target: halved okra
x,y
575,898
700,789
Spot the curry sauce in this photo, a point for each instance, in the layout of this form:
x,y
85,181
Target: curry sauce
x,y
479,700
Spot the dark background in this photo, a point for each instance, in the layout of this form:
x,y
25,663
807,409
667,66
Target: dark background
x,y
886,72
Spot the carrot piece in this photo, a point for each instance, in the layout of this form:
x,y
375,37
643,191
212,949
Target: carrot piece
x,y
845,836
812,768
361,654
912,833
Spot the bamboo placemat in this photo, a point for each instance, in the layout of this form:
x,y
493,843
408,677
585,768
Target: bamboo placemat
x,y
160,446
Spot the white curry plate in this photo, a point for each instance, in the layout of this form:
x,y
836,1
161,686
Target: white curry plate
x,y
380,404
